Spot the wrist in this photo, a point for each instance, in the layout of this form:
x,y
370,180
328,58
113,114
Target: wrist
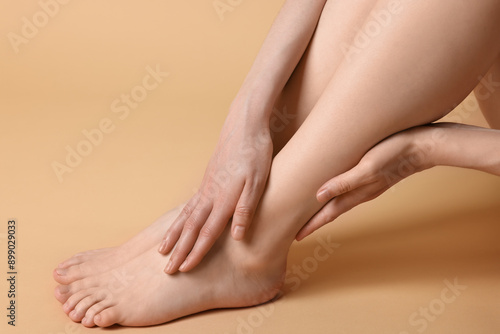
x,y
252,108
425,146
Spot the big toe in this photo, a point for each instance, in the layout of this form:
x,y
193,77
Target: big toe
x,y
70,274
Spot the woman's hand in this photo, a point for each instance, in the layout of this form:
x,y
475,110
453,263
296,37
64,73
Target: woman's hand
x,y
232,186
387,163
237,172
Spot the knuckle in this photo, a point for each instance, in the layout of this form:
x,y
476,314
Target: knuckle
x,y
369,170
191,224
367,165
372,177
207,232
243,211
186,210
343,186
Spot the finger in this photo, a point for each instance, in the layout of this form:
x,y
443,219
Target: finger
x,y
331,211
188,237
341,184
174,231
245,208
215,224
209,233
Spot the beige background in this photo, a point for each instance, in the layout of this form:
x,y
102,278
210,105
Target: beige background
x,y
394,255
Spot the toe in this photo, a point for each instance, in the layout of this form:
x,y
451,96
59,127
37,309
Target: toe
x,y
88,320
93,300
72,261
73,304
77,272
107,317
64,292
61,292
59,275
71,274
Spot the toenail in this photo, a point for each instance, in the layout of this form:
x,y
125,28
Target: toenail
x,y
97,318
84,320
72,313
60,272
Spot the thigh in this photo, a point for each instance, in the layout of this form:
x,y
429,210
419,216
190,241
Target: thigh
x,y
338,25
488,95
415,64
414,70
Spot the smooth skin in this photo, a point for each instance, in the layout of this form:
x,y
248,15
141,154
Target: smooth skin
x,y
408,74
419,148
402,79
238,170
401,155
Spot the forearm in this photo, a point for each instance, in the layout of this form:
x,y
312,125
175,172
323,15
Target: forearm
x,y
278,56
465,146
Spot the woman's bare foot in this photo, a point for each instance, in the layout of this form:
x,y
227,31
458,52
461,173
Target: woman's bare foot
x,y
139,293
97,261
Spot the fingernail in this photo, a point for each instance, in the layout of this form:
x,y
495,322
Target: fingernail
x,y
169,267
183,265
239,232
163,246
322,195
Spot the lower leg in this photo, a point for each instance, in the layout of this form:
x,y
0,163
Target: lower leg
x,y
338,25
248,272
403,78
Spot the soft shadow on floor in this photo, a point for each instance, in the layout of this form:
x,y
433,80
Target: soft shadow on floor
x,y
410,251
